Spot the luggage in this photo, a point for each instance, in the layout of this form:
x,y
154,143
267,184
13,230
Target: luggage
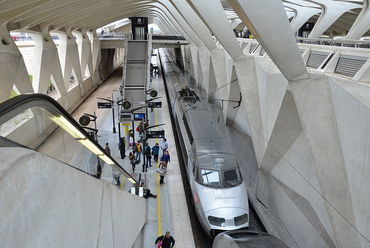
x,y
161,171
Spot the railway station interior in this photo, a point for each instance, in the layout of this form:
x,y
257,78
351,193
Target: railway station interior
x,y
227,123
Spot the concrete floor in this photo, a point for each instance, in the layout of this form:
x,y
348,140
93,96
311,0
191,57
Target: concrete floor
x,y
167,212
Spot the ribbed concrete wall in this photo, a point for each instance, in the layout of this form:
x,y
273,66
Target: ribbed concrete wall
x,y
303,148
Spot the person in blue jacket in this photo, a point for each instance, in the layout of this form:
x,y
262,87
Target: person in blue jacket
x,y
155,152
165,157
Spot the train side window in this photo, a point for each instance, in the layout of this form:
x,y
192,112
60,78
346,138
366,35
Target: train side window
x,y
188,129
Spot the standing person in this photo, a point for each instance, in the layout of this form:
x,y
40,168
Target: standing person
x,y
164,145
155,152
122,147
116,176
131,136
134,148
138,152
132,159
165,157
165,241
107,149
148,156
98,170
162,170
140,128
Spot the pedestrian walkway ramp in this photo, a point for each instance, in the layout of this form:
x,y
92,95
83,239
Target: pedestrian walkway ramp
x,y
48,202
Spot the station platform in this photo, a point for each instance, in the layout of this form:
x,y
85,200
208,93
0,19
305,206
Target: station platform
x,y
167,212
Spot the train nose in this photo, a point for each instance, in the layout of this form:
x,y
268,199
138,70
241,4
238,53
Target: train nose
x,y
228,218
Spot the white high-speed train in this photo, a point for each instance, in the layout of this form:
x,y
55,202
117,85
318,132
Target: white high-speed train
x,y
219,194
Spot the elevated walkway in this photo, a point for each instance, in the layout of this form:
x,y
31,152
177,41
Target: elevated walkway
x,y
158,41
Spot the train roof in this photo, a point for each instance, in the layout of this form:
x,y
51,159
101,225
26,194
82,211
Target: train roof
x,y
216,161
202,125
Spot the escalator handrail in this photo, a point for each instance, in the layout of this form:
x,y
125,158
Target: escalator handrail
x,y
18,104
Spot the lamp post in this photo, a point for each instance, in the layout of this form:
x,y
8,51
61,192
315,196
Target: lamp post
x,y
85,120
114,126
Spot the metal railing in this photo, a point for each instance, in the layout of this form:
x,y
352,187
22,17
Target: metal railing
x,y
335,42
18,104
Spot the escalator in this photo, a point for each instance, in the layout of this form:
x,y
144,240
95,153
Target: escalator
x,y
48,201
52,114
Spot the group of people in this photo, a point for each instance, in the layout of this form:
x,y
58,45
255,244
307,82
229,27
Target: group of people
x,y
149,153
164,241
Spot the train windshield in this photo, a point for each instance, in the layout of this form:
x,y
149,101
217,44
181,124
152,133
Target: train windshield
x,y
231,178
222,179
210,177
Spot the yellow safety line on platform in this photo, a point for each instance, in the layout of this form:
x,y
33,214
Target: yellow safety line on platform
x,y
122,182
159,217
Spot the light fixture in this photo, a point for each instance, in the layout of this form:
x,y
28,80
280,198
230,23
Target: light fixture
x,y
80,137
106,159
67,126
131,180
91,146
75,133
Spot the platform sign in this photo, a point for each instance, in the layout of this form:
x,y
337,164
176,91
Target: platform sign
x,y
126,117
154,134
139,117
154,104
102,105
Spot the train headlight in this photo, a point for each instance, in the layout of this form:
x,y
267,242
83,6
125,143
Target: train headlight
x,y
216,221
240,220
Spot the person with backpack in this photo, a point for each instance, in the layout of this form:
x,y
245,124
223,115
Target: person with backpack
x,y
138,152
132,159
148,155
140,128
165,241
155,152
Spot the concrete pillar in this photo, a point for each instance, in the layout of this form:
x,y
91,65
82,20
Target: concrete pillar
x,y
96,55
284,50
303,14
195,22
46,64
69,59
362,23
204,35
84,50
95,49
213,14
330,12
12,67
